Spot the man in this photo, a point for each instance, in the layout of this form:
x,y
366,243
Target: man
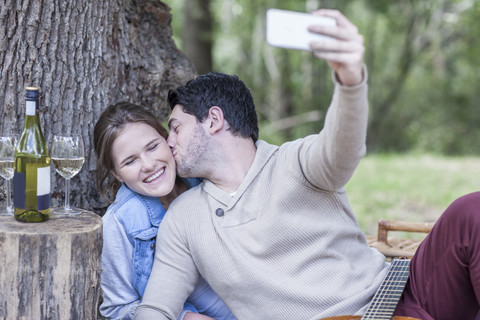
x,y
270,229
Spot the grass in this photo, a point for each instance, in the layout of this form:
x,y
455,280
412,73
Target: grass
x,y
409,187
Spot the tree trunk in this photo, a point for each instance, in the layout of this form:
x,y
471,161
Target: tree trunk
x,y
85,55
198,33
50,270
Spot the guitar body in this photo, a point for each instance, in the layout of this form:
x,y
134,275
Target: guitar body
x,y
360,317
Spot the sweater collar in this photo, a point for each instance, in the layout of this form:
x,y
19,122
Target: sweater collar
x,y
263,154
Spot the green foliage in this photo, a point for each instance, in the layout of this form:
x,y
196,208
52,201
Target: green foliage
x,y
427,102
423,61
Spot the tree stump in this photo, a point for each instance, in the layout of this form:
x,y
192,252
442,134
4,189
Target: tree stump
x,y
50,270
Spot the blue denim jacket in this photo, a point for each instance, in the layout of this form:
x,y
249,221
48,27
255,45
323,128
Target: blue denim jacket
x,y
130,228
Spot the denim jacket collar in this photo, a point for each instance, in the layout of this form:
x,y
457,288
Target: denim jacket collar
x,y
154,206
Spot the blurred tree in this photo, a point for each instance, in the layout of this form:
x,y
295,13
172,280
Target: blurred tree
x,y
390,73
85,55
198,34
415,53
423,66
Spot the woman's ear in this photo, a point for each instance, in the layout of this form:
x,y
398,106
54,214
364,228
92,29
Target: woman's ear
x,y
216,120
116,176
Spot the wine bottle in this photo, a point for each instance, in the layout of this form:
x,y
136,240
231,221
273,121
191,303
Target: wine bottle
x,y
31,179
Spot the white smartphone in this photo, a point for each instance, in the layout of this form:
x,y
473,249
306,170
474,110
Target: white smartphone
x,y
289,29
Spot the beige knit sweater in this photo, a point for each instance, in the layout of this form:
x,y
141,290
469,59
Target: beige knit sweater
x,y
288,245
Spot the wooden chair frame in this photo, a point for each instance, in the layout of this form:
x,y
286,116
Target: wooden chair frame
x,y
398,247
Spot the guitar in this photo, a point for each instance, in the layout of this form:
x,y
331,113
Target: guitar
x,y
387,296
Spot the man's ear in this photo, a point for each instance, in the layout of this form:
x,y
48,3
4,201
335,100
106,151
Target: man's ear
x,y
216,120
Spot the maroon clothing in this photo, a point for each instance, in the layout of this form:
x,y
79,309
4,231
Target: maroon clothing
x,y
444,279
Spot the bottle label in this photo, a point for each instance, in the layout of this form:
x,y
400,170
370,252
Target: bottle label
x,y
31,108
20,190
43,188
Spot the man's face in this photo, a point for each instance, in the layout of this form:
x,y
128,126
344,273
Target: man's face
x,y
189,143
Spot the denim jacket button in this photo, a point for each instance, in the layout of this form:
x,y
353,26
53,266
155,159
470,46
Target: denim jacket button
x,y
219,212
152,246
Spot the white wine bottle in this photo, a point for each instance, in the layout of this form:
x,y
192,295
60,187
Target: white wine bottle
x,y
31,180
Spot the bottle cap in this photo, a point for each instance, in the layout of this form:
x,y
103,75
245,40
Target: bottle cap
x,y
32,93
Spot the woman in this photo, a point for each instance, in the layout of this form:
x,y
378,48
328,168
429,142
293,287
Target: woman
x,y
135,163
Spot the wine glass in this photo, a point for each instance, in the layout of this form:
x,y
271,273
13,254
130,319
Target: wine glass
x,y
67,157
7,160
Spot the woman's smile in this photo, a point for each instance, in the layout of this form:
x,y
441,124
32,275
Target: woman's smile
x,y
154,176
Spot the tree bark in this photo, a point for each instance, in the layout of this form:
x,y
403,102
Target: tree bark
x,y
85,55
50,270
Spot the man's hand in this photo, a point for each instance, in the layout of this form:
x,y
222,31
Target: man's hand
x,y
344,53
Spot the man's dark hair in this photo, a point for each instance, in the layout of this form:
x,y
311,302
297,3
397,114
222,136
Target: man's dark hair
x,y
227,92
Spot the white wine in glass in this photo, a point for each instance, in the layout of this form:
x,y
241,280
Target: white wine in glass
x,y
7,161
67,157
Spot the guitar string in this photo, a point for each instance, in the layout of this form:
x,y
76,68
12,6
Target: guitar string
x,y
374,303
393,294
378,298
384,293
399,273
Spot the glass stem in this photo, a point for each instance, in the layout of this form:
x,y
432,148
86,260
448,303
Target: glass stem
x,y
67,194
8,195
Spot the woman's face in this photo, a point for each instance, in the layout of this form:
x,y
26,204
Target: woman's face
x,y
143,160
